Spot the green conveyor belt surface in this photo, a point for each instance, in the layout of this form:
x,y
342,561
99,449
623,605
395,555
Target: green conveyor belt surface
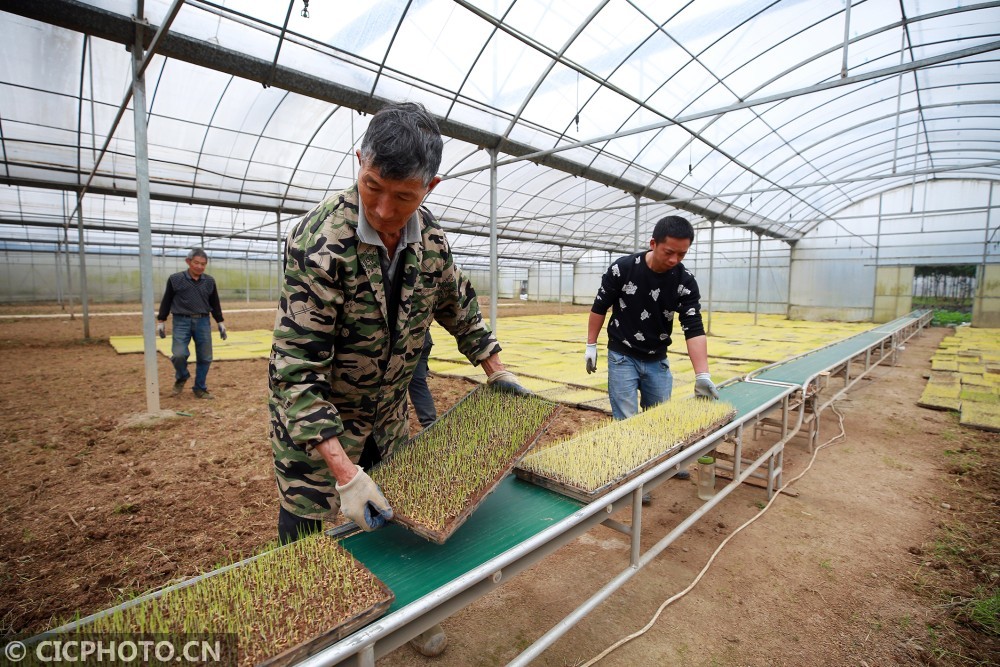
x,y
900,322
412,566
799,371
749,397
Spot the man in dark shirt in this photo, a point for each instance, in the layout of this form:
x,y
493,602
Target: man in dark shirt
x,y
646,290
191,296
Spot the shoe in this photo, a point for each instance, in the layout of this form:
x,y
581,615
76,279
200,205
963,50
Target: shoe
x,y
203,393
647,499
683,474
178,387
430,643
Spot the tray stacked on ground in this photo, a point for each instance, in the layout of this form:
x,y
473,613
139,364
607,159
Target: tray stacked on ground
x,y
592,463
438,478
278,607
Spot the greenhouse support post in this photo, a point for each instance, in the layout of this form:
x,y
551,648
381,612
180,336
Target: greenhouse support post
x,y
635,235
69,274
756,289
280,264
878,241
84,303
559,292
145,228
981,288
711,281
494,270
749,268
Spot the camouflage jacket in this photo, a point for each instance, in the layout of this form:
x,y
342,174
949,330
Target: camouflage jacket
x,y
334,368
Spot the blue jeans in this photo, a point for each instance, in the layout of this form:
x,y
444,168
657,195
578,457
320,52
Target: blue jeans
x,y
186,328
628,375
420,393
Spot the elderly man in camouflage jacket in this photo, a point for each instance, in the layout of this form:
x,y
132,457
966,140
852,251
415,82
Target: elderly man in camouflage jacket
x,y
366,272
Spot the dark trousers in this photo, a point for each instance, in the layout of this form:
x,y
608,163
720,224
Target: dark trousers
x,y
420,393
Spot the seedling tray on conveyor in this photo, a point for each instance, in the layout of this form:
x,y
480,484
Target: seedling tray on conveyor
x,y
275,609
436,480
591,464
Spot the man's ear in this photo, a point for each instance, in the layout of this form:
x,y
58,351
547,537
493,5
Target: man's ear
x,y
433,184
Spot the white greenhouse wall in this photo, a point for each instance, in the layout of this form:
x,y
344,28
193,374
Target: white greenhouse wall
x,y
834,266
33,276
544,282
509,284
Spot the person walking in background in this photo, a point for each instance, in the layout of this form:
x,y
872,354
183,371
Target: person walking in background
x,y
645,290
420,393
191,296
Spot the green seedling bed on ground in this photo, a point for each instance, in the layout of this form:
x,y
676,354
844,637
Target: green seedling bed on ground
x,y
278,607
436,480
545,468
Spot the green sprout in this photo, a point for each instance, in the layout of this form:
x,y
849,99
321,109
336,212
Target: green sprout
x,y
613,450
436,479
271,604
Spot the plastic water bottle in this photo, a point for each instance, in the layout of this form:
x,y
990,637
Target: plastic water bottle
x,y
706,477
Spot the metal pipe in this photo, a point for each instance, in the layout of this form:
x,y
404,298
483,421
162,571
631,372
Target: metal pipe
x,y
494,251
981,290
82,252
635,236
711,282
756,293
847,38
145,227
635,540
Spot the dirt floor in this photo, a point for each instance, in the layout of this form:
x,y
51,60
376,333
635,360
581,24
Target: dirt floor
x,y
878,560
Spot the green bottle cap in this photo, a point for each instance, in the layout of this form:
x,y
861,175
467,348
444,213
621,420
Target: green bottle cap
x,y
706,460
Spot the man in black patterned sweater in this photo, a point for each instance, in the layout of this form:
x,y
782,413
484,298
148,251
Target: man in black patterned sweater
x,y
645,291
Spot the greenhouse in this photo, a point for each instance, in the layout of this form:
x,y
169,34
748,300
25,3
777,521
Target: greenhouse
x,y
838,162
822,150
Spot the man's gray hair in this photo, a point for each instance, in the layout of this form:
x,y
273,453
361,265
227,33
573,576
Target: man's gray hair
x,y
403,141
197,252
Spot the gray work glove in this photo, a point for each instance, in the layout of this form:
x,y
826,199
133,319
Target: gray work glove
x,y
704,387
506,381
362,502
591,356
161,329
222,331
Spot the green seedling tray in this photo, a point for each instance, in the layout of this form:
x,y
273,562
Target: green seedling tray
x,y
439,535
315,644
587,496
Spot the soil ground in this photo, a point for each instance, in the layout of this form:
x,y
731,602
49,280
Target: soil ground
x,y
878,560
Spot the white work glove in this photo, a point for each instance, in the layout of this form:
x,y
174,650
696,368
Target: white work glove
x,y
222,331
704,387
161,329
362,502
506,381
591,356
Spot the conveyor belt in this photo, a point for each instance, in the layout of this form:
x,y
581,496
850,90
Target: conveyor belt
x,y
412,566
801,370
749,397
520,523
